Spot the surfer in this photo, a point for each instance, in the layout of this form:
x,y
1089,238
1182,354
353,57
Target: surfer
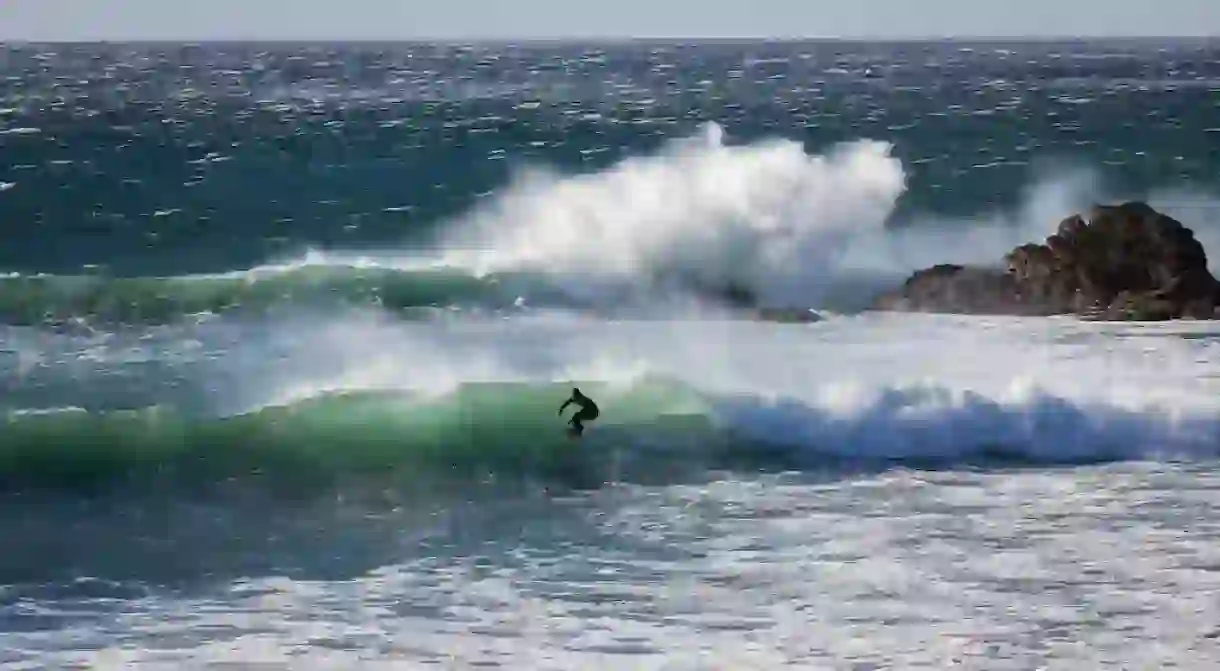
x,y
587,413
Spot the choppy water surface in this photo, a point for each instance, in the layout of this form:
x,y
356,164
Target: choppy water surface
x,y
283,331
1092,567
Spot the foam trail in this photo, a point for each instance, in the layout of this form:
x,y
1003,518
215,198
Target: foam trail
x,y
765,215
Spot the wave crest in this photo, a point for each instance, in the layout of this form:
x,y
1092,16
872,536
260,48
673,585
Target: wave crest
x,y
766,217
652,430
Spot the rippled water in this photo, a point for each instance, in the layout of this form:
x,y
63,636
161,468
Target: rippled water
x,y
1095,567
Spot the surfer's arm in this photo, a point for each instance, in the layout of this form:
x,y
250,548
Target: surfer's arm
x,y
564,406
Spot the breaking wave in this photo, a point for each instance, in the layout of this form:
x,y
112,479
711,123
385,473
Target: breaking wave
x,y
653,430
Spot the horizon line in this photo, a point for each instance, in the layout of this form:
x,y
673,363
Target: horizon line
x,y
474,40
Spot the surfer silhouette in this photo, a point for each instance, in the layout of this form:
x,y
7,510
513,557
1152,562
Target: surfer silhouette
x,y
588,411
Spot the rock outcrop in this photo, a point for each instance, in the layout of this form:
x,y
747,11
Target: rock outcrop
x,y
1117,262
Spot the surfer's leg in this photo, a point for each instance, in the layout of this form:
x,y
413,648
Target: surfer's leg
x,y
578,420
577,428
584,415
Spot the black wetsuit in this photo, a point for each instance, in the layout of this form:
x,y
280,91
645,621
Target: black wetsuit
x,y
588,410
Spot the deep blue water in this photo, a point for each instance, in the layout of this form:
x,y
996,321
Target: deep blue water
x,y
167,159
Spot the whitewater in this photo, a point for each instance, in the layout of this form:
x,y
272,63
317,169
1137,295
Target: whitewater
x,y
288,399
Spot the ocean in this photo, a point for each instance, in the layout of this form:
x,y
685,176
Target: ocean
x,y
284,329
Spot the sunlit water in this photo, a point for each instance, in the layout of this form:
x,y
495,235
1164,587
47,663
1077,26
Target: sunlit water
x,y
263,408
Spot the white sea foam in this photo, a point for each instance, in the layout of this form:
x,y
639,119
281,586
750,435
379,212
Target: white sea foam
x,y
876,386
766,215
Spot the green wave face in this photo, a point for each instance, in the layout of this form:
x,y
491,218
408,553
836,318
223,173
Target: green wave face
x,y
480,431
31,300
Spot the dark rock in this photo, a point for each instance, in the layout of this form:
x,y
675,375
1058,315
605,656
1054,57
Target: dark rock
x,y
1124,262
958,289
787,315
